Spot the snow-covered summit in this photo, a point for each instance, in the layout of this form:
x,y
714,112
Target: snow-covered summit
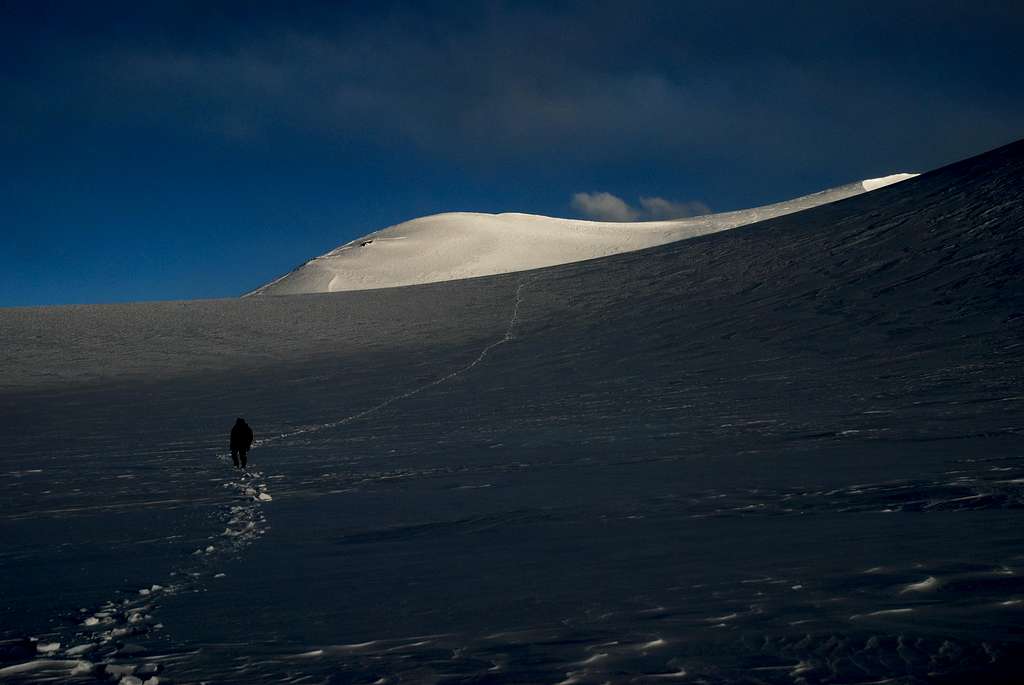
x,y
456,245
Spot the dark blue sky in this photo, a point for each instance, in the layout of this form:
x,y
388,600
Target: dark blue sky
x,y
181,150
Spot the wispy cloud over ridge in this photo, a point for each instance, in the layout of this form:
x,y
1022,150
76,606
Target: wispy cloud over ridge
x,y
605,206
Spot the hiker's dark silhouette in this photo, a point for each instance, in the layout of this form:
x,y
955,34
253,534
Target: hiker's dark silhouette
x,y
241,441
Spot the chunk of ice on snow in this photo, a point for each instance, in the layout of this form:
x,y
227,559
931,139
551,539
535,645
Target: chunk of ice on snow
x,y
79,649
929,583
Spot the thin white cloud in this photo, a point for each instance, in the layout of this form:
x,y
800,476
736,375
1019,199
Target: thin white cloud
x,y
660,208
603,206
607,207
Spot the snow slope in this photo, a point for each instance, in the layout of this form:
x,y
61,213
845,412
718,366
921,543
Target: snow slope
x,y
788,453
456,245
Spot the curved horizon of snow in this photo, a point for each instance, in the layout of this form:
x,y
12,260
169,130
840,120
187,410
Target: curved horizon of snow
x,y
457,245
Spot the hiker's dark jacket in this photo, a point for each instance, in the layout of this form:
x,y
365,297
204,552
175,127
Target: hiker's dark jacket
x,y
241,436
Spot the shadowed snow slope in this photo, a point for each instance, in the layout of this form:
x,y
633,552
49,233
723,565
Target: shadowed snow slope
x,y
446,247
786,453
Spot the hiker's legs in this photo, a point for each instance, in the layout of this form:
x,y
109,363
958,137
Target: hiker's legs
x,y
234,455
242,453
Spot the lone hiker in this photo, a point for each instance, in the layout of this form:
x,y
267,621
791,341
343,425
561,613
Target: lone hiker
x,y
241,441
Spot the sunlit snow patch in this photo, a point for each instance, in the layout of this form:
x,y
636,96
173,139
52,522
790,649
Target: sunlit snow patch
x,y
458,245
876,183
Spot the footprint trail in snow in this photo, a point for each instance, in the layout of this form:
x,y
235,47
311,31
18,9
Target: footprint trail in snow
x,y
104,643
508,336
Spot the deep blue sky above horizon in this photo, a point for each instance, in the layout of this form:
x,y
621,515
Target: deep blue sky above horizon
x,y
199,149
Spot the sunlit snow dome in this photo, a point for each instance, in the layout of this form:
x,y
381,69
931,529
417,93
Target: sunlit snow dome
x,y
456,245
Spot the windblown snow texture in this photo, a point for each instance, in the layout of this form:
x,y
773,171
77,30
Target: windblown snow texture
x,y
786,453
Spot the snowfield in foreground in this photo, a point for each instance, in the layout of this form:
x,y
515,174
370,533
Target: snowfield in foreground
x,y
456,245
787,454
